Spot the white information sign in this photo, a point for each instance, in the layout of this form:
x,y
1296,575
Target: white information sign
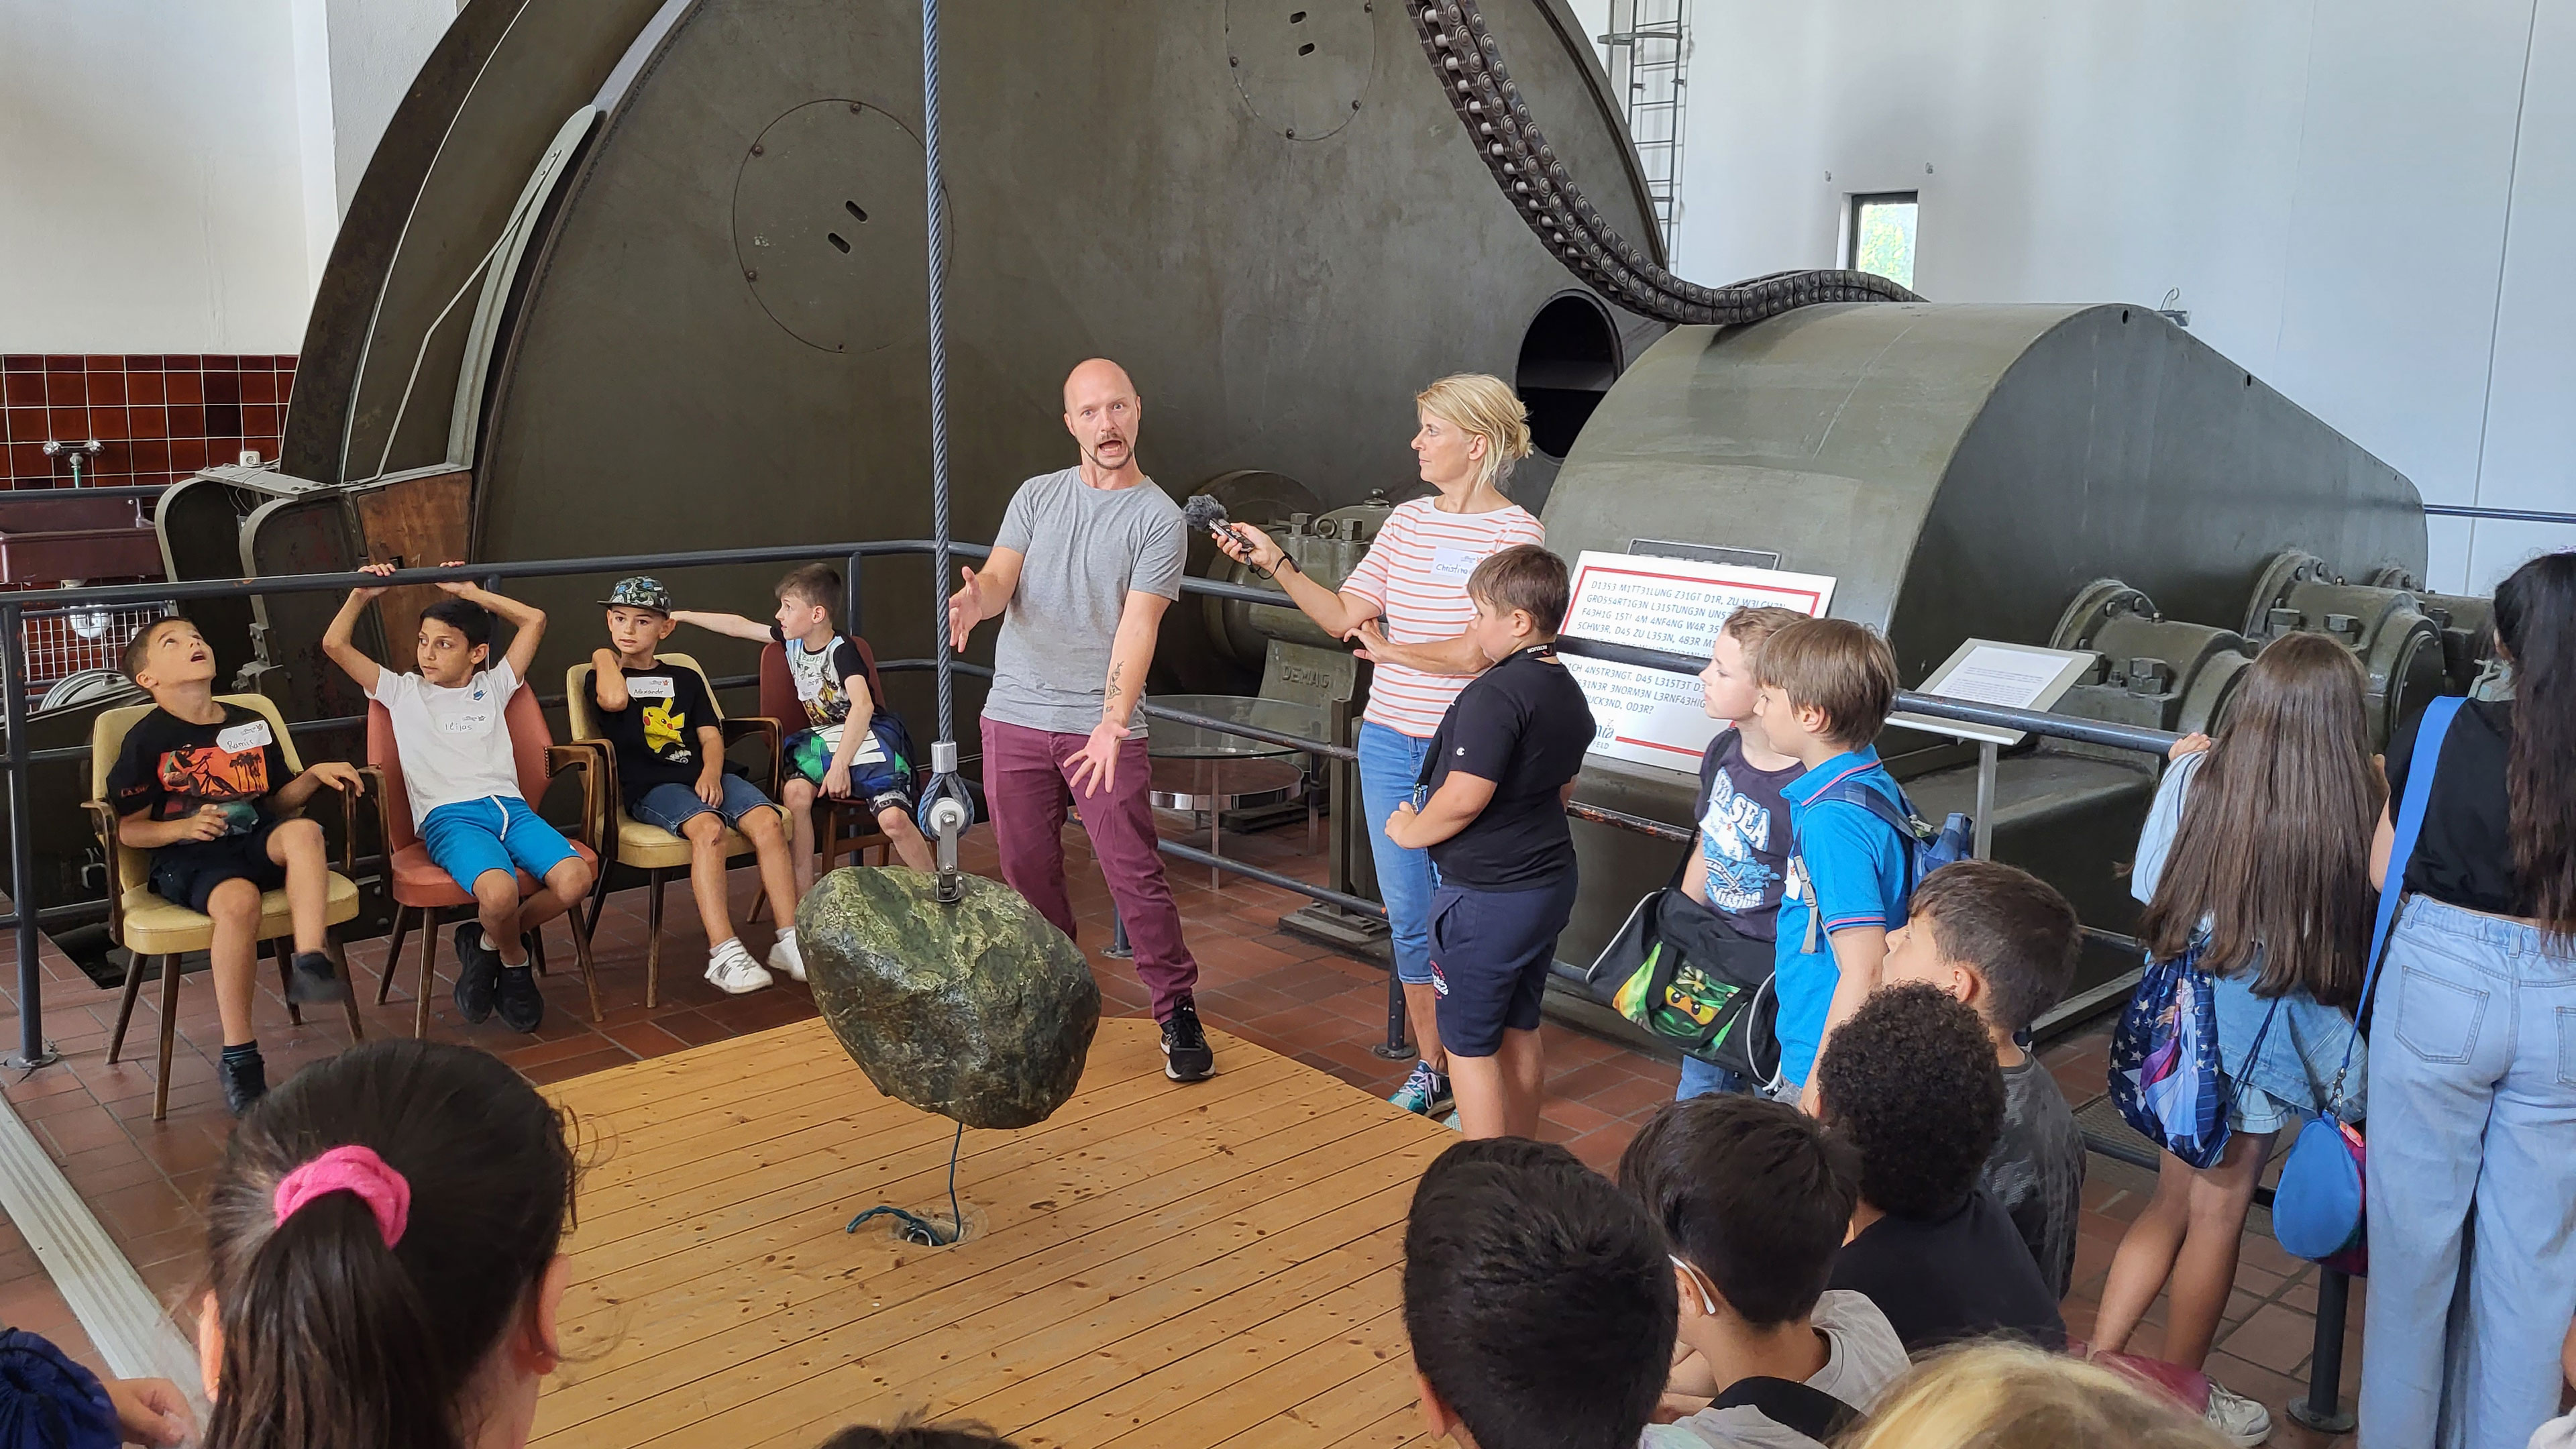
x,y
1984,671
1672,604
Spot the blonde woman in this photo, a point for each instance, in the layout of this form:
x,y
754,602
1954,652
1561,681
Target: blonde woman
x,y
2009,1396
1407,606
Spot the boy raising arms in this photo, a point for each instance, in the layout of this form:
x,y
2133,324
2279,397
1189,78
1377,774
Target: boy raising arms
x,y
1825,687
450,727
670,768
872,762
203,786
1499,770
2004,941
1743,857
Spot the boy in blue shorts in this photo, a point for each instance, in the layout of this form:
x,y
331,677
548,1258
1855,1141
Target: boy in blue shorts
x,y
1498,772
871,763
670,769
450,727
1825,689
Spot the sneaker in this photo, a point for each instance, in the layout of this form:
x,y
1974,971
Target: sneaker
x,y
1451,1122
522,1005
1186,1056
478,973
309,978
2238,1419
785,959
1424,1093
245,1081
731,969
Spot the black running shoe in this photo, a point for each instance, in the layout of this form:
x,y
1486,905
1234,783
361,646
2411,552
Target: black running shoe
x,y
478,971
1186,1057
245,1081
310,978
522,1005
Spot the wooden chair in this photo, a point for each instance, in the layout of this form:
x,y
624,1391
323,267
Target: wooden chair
x,y
841,827
415,881
650,848
148,926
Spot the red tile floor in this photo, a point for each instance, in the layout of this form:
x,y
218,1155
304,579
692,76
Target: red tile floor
x,y
143,1178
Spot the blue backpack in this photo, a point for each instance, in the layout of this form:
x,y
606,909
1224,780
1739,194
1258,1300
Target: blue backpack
x,y
2164,1061
1927,849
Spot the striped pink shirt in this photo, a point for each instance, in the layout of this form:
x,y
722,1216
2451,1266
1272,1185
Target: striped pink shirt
x,y
1416,573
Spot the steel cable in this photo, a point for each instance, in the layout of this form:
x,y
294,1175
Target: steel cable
x,y
1469,65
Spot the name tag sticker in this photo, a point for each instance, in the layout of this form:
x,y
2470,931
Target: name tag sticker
x,y
1452,564
245,737
650,686
467,724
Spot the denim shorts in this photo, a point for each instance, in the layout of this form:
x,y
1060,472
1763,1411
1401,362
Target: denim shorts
x,y
672,806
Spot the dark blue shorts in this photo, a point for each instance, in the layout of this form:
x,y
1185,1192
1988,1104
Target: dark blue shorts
x,y
1490,952
186,873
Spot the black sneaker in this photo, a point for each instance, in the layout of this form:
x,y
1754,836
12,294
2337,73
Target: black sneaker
x,y
1186,1057
522,1005
310,978
478,969
245,1081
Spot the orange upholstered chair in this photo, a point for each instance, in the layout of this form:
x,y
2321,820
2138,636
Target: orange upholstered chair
x,y
421,890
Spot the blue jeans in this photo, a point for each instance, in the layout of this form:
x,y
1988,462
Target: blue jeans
x,y
1706,1079
1390,762
2472,1103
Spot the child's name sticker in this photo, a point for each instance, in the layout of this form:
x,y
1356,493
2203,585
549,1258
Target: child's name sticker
x,y
241,737
649,686
477,723
1452,564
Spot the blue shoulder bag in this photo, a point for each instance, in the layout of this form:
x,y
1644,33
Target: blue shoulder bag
x,y
2317,1211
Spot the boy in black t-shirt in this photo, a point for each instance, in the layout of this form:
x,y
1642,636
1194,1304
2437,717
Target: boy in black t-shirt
x,y
670,769
1497,774
1910,1079
871,763
1742,863
203,785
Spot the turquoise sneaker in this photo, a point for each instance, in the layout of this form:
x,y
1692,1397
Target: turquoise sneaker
x,y
1424,1091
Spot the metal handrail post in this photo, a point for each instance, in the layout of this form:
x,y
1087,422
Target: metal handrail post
x,y
2322,1410
850,609
33,1050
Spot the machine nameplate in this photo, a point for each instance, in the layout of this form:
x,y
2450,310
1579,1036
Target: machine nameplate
x,y
1716,553
1673,604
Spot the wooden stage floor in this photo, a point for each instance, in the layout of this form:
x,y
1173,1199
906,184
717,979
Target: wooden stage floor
x,y
1156,1265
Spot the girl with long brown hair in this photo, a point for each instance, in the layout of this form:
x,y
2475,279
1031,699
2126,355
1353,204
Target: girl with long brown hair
x,y
2257,852
2473,1057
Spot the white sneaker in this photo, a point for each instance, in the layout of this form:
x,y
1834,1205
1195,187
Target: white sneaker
x,y
2238,1419
731,969
785,958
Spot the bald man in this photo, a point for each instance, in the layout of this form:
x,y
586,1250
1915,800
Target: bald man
x,y
1085,564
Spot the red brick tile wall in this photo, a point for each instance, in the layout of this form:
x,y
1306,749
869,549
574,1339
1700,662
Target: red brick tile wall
x,y
159,418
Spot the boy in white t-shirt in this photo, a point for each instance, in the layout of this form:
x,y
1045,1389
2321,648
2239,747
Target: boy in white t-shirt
x,y
463,778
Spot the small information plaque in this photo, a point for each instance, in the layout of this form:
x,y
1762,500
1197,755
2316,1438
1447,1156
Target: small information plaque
x,y
1987,671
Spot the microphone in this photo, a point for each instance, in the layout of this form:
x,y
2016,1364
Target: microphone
x,y
1205,514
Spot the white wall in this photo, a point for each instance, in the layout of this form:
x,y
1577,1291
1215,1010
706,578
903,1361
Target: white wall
x,y
2356,197
172,171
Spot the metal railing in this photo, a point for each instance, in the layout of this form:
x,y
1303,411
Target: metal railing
x,y
2507,515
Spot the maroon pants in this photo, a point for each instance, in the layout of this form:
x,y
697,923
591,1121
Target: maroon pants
x,y
1027,786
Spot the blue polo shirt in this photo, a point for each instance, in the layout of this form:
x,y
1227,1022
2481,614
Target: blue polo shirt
x,y
1854,875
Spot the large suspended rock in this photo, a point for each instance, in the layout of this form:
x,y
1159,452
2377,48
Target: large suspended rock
x,y
980,1010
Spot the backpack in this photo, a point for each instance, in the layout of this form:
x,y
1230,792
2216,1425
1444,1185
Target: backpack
x,y
1798,1407
1927,849
2164,1061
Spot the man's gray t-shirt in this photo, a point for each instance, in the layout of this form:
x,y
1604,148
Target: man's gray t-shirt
x,y
1084,550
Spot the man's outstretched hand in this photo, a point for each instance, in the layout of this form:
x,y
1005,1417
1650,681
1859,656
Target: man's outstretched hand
x,y
965,609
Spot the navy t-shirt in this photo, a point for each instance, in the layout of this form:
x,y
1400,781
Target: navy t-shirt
x,y
1525,725
1743,834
